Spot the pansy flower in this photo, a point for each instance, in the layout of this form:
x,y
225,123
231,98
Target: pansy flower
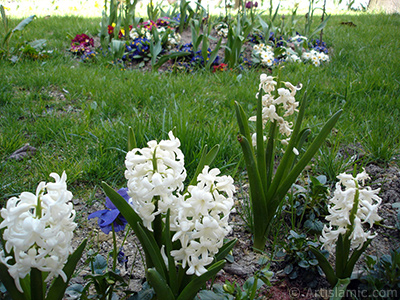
x,y
111,216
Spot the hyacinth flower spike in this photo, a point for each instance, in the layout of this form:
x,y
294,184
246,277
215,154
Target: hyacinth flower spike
x,y
36,232
350,209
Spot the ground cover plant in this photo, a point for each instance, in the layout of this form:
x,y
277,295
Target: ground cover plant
x,y
75,113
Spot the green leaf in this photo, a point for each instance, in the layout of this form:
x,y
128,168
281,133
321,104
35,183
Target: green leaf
x,y
190,291
163,59
257,195
117,48
242,121
206,159
159,285
172,276
302,163
213,54
150,246
4,18
354,258
58,287
37,286
131,139
339,291
145,237
99,264
261,159
340,256
325,266
224,250
23,23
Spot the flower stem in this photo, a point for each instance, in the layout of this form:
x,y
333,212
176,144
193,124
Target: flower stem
x,y
115,251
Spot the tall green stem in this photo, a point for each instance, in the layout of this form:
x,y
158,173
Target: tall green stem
x,y
115,251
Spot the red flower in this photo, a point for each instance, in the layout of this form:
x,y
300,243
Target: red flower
x,y
110,29
220,67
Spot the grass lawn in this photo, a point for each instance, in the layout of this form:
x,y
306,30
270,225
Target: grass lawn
x,y
76,115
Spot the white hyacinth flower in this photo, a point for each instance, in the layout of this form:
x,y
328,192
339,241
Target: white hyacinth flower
x,y
276,109
340,211
155,172
201,223
39,230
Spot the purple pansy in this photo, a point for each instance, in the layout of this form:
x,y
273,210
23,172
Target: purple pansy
x,y
112,215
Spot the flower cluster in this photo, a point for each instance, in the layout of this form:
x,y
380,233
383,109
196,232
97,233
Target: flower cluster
x,y
137,49
250,4
222,29
344,219
273,107
201,223
265,54
315,57
221,67
155,174
199,217
38,230
81,44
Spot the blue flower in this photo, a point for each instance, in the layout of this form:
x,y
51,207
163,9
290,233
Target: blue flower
x,y
110,216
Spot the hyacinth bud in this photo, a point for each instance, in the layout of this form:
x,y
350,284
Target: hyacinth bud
x,y
229,288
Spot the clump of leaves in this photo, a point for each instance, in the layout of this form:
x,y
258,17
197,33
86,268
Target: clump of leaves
x,y
308,205
299,260
5,49
104,281
251,289
383,274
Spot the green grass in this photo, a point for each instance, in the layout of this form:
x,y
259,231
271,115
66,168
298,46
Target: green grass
x,y
77,114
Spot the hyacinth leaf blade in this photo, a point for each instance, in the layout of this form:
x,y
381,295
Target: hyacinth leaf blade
x,y
36,284
152,253
340,256
320,26
9,283
325,266
340,289
58,287
242,121
213,54
258,200
224,250
192,288
163,59
131,139
354,258
308,155
159,285
172,276
206,159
